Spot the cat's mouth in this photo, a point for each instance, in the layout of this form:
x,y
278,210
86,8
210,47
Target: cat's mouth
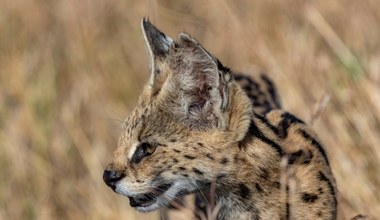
x,y
150,198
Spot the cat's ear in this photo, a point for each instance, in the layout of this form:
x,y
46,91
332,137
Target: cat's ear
x,y
203,80
158,46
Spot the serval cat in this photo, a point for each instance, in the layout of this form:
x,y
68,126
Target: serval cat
x,y
195,127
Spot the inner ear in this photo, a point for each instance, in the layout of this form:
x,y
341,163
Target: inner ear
x,y
158,46
202,84
187,41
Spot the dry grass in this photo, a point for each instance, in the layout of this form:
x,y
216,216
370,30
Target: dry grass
x,y
71,70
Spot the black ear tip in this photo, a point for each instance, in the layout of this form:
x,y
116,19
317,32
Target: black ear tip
x,y
145,22
149,27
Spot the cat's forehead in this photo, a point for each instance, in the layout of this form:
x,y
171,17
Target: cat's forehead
x,y
133,121
141,117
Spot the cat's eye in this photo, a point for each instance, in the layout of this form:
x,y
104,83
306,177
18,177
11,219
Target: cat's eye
x,y
148,148
143,150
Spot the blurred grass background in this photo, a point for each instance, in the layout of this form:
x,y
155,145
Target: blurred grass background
x,y
70,71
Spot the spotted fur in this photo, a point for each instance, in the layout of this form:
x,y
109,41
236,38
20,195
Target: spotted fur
x,y
195,126
261,91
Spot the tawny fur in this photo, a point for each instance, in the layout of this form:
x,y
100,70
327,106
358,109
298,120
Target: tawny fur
x,y
203,128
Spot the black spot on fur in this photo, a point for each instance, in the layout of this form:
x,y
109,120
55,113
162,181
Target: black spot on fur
x,y
266,105
315,144
266,122
178,151
309,197
257,104
184,175
282,129
200,144
247,88
276,185
175,160
300,157
209,156
258,188
319,213
182,168
264,174
173,140
252,96
309,157
238,77
189,157
236,157
294,156
321,176
195,170
320,190
255,132
244,191
284,125
224,160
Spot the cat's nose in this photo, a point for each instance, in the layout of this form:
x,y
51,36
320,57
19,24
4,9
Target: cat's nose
x,y
111,177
